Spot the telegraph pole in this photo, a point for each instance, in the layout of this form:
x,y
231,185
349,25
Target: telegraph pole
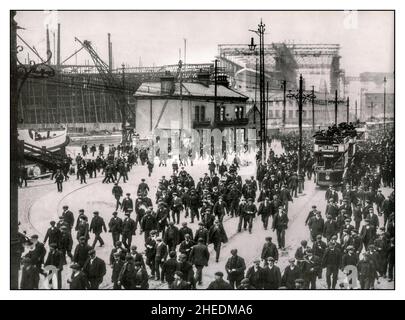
x,y
216,116
300,125
355,110
347,110
313,108
372,107
336,107
284,100
385,93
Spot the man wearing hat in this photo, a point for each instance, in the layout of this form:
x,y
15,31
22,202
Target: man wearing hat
x,y
117,193
291,273
53,234
55,259
310,269
143,188
115,227
81,252
81,214
37,252
183,231
29,275
187,269
330,228
116,266
299,284
350,258
178,282
78,280
95,270
199,257
194,205
255,275
235,268
202,233
177,207
250,214
367,233
245,285
374,221
127,204
316,225
68,216
280,225
148,223
332,209
186,245
217,236
171,236
219,283
265,211
269,250
140,277
331,261
271,275
169,268
160,256
65,244
366,272
128,229
97,226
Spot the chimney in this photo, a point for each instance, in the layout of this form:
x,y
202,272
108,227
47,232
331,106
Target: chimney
x,y
204,78
167,84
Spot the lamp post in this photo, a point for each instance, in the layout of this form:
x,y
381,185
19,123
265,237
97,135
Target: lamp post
x,y
252,47
301,97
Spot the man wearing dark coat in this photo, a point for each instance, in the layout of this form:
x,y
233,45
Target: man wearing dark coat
x,y
255,275
81,253
199,256
269,250
271,275
310,269
115,227
55,259
219,283
290,275
128,230
52,234
97,226
217,236
235,268
116,266
95,270
78,280
68,217
169,268
29,275
171,236
280,224
265,211
178,283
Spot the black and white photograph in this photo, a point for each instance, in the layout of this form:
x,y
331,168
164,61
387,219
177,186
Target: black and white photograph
x,y
202,150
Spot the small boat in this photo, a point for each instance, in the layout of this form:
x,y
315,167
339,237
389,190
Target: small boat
x,y
50,139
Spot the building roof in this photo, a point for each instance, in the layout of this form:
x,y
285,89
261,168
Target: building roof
x,y
189,89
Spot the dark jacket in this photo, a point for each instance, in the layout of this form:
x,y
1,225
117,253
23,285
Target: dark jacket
x,y
79,282
183,231
97,225
81,254
115,225
53,235
29,277
201,233
271,278
255,277
199,255
280,223
219,285
168,269
179,285
95,270
269,250
128,227
237,263
289,277
217,235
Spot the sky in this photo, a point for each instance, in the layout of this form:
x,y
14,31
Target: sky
x,y
155,37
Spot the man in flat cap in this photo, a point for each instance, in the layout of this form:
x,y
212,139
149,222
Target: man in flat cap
x,y
127,204
97,226
55,259
219,283
269,250
68,216
199,256
53,234
235,268
128,229
271,275
95,270
178,282
29,275
291,273
115,227
78,280
117,193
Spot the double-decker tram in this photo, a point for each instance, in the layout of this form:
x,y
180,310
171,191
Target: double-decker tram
x,y
333,155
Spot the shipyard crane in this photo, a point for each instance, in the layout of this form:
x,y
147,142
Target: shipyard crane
x,y
118,91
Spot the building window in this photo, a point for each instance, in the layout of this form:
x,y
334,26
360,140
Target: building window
x,y
197,113
270,113
290,114
277,113
202,113
222,113
239,112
